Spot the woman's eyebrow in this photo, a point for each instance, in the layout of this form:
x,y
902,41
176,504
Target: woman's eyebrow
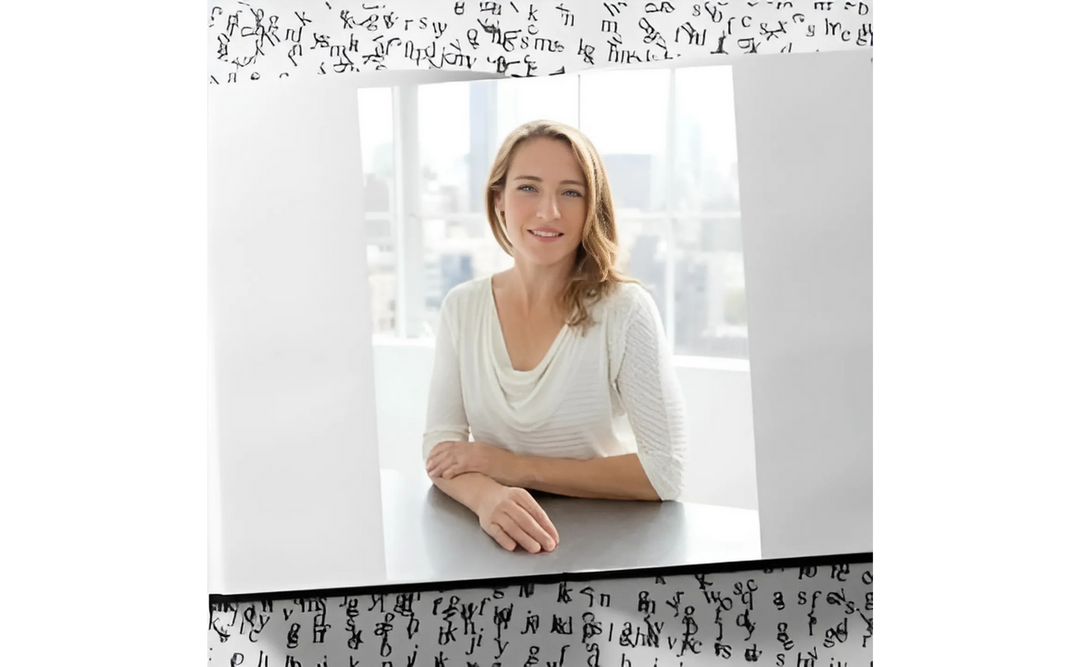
x,y
540,180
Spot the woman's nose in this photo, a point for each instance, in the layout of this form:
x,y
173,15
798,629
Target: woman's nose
x,y
549,209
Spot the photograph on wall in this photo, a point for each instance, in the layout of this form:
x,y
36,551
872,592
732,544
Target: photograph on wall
x,y
483,374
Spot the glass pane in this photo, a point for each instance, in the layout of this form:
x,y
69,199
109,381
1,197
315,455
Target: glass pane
x,y
521,100
643,255
377,155
710,288
710,295
705,155
454,252
457,130
382,277
625,115
377,147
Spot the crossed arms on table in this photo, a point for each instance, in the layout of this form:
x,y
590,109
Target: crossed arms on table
x,y
614,477
491,482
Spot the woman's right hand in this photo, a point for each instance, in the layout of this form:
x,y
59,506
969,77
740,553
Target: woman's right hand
x,y
512,517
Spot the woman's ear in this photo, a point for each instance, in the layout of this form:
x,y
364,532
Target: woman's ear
x,y
499,201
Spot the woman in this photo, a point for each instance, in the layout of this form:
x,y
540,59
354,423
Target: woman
x,y
558,366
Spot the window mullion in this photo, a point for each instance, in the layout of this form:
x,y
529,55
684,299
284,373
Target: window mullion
x,y
669,221
408,221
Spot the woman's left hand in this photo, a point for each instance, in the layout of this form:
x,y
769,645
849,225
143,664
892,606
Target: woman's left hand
x,y
450,459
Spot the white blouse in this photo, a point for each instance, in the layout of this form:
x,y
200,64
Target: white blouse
x,y
612,391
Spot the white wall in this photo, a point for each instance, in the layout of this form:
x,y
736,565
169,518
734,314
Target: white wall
x,y
805,147
206,452
295,499
718,406
720,417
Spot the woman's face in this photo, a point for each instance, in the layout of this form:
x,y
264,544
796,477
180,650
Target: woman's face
x,y
544,202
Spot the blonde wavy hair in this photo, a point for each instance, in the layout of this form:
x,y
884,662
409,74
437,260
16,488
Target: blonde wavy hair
x,y
595,273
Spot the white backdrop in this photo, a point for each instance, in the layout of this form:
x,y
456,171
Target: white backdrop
x,y
296,498
805,175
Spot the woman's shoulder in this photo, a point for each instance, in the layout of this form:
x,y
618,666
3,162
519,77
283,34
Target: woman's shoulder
x,y
625,299
467,294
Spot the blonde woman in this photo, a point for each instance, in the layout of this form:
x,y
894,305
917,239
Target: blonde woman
x,y
557,367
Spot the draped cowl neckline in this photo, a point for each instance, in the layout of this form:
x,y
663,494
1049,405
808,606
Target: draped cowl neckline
x,y
528,397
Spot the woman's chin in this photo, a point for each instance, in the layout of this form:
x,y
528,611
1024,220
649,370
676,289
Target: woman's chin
x,y
544,259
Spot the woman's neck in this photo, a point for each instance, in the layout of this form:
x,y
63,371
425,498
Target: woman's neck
x,y
539,288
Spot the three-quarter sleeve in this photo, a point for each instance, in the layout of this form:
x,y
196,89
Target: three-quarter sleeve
x,y
649,390
446,418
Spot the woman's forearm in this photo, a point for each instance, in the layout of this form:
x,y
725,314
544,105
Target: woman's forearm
x,y
468,489
612,477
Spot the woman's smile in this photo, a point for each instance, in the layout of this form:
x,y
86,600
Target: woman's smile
x,y
545,234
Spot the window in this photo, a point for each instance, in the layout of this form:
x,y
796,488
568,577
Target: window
x,y
667,138
377,153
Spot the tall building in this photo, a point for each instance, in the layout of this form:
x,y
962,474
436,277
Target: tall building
x,y
645,265
692,306
455,268
383,299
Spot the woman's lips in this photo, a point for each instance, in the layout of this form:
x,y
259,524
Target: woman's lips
x,y
546,239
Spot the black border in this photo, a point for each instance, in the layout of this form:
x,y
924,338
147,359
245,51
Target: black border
x,y
505,582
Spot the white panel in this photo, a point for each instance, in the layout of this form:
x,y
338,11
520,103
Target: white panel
x,y
295,435
805,169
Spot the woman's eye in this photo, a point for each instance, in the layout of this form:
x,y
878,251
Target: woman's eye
x,y
531,188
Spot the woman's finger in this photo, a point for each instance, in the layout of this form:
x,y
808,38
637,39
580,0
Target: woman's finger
x,y
446,459
500,536
442,450
533,528
465,464
438,469
507,523
433,459
530,505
